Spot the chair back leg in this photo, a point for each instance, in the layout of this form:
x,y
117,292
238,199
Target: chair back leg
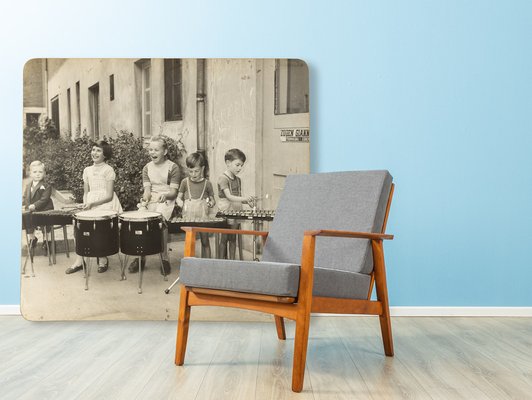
x,y
382,296
279,325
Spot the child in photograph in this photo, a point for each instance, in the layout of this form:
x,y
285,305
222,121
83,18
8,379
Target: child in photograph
x,y
230,194
98,193
36,197
160,179
198,195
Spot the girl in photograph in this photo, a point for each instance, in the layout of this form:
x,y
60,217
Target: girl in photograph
x,y
160,179
198,195
98,193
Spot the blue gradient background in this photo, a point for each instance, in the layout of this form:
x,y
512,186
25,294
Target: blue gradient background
x,y
438,92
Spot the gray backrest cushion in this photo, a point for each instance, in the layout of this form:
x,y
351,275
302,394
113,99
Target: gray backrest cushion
x,y
351,201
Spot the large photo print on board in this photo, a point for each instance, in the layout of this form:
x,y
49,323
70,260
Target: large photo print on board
x,y
119,154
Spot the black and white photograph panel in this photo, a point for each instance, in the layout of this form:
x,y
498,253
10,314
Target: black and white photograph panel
x,y
120,154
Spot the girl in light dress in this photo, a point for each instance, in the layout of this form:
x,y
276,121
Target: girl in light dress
x,y
98,193
160,179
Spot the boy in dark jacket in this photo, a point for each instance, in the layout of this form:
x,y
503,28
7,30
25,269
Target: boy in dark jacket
x,y
36,197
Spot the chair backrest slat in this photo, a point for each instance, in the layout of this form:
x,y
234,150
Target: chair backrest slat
x,y
352,201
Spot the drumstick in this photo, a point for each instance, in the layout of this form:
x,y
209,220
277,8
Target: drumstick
x,y
266,196
74,207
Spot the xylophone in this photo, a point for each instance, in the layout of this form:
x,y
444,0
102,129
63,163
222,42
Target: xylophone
x,y
47,220
175,224
53,217
254,215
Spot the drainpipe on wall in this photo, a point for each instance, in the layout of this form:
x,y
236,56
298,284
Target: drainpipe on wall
x,y
200,111
46,104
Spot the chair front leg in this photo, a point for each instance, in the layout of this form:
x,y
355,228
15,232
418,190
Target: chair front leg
x,y
306,280
300,350
182,326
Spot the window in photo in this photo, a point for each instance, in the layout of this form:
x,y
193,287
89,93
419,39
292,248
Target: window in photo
x,y
172,90
291,87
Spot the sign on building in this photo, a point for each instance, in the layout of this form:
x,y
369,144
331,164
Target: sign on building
x,y
295,135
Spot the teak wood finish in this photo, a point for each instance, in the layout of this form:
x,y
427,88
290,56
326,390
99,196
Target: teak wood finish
x,y
297,309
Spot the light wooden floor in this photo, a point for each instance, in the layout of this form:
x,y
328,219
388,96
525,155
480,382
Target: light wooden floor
x,y
436,358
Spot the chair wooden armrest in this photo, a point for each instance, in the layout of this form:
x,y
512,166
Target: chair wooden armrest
x,y
349,234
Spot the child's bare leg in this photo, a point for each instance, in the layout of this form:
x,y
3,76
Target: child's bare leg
x,y
205,245
223,246
165,243
164,255
46,236
76,266
232,246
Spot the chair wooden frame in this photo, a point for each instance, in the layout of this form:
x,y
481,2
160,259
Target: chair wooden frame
x,y
297,309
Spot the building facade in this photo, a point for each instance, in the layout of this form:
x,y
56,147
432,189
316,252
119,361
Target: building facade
x,y
260,106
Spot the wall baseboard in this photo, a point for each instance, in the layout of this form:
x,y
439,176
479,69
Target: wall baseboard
x,y
10,309
461,311
402,311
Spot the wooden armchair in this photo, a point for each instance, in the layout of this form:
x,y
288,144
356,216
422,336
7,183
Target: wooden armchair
x,y
298,274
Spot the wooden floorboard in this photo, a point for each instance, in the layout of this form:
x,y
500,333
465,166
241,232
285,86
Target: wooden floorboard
x,y
435,358
491,365
232,373
274,378
432,367
385,377
332,374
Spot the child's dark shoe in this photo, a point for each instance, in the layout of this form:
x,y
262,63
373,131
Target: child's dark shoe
x,y
73,268
134,266
104,266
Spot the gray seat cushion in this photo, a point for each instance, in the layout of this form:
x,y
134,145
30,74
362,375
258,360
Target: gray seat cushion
x,y
276,279
340,284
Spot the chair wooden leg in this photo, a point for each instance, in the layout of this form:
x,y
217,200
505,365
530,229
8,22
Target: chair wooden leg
x,y
300,351
52,236
182,327
382,296
279,325
386,330
65,241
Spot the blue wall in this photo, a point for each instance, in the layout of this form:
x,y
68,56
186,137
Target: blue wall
x,y
438,92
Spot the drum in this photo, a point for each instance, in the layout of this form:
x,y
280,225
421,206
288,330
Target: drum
x,y
141,233
96,233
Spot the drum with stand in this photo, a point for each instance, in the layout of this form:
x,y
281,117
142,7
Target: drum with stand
x,y
141,234
96,234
